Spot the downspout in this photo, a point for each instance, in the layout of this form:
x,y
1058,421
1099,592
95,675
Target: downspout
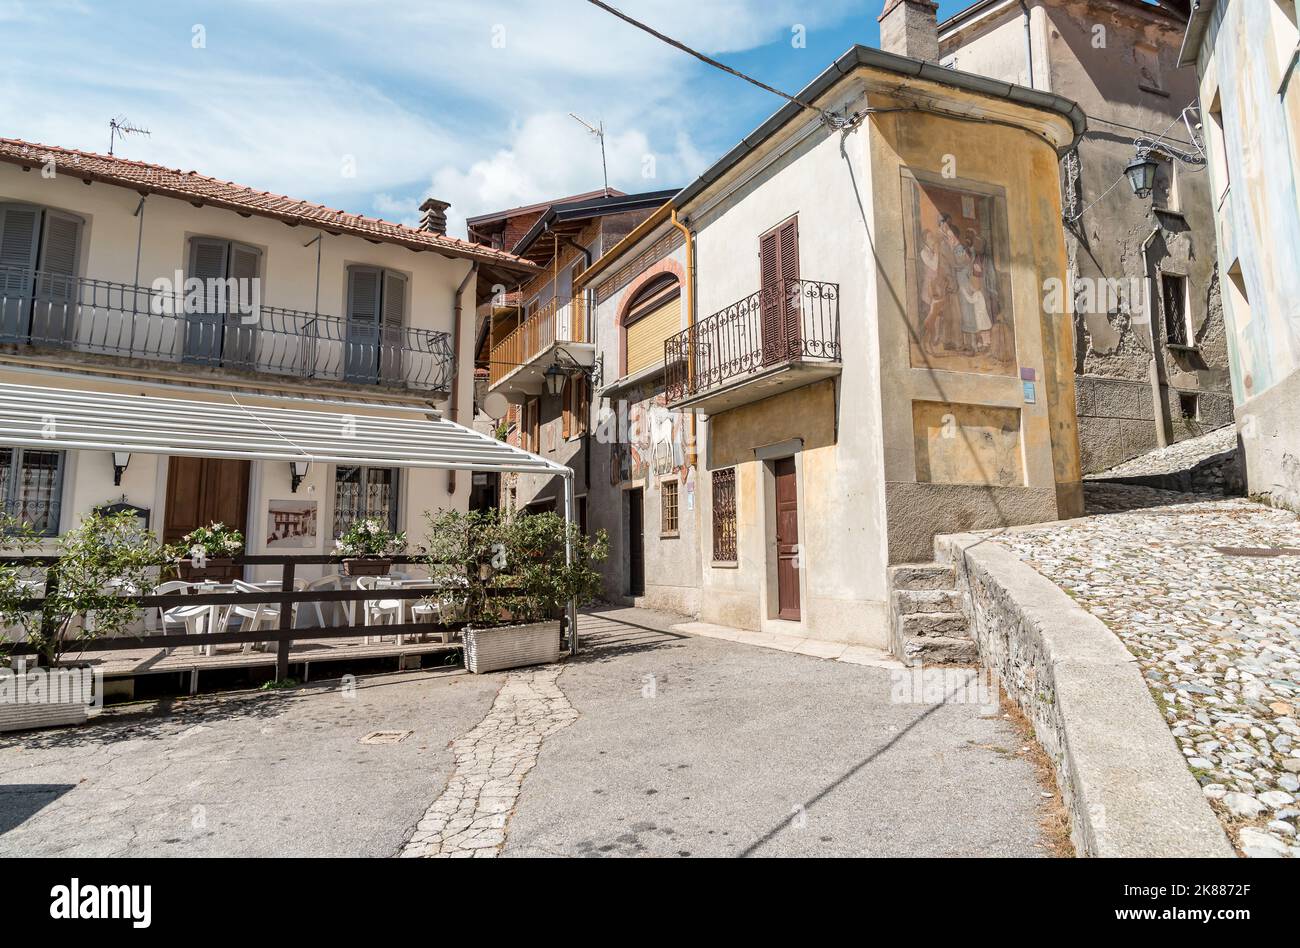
x,y
1029,43
589,321
1159,383
453,406
689,238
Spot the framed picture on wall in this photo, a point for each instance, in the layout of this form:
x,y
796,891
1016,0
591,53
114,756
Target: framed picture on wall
x,y
291,525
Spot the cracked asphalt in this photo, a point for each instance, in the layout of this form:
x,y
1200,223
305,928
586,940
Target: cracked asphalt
x,y
681,746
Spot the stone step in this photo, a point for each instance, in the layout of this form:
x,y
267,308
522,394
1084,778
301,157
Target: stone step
x,y
941,650
922,576
925,624
909,601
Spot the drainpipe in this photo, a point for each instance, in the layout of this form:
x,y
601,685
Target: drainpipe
x,y
1029,44
1159,383
689,237
453,406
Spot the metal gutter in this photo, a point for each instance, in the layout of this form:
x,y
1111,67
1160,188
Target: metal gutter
x,y
598,207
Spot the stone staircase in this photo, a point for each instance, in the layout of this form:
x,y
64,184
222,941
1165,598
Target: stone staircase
x,y
928,619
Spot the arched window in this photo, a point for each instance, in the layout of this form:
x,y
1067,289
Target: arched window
x,y
654,314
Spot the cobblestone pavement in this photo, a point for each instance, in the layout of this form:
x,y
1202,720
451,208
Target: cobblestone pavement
x,y
1206,595
1181,456
470,817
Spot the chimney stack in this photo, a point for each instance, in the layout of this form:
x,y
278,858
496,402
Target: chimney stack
x,y
911,28
434,216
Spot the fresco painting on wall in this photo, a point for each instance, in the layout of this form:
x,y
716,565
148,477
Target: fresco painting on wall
x,y
655,443
959,305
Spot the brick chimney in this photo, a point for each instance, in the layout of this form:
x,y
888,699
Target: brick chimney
x,y
434,216
910,28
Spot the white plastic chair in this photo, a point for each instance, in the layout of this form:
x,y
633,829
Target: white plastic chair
x,y
253,615
191,617
379,611
331,582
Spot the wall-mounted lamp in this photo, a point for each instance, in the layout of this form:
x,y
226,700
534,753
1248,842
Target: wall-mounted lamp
x,y
297,471
1141,172
120,460
555,378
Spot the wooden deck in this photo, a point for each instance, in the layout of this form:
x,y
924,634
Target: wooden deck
x,y
131,663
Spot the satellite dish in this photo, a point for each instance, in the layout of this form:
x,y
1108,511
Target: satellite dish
x,y
495,405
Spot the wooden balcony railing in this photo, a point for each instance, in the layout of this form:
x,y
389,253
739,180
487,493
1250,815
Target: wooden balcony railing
x,y
791,321
561,320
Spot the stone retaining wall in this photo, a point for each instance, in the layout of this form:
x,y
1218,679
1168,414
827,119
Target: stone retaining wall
x,y
1124,782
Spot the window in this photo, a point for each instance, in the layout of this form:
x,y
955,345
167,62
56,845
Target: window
x,y
40,249
652,316
1147,59
574,399
1173,292
217,333
364,493
779,301
1220,173
532,432
1286,37
375,325
31,483
724,515
668,497
1189,406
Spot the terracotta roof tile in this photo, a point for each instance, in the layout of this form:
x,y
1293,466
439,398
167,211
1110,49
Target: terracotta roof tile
x,y
196,188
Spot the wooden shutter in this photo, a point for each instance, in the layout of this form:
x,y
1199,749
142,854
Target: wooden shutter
x,y
361,346
769,264
54,316
19,229
394,320
205,328
791,298
566,398
241,324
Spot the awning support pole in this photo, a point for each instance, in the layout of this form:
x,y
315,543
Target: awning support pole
x,y
568,559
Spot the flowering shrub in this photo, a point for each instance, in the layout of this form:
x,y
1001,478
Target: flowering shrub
x,y
216,541
370,538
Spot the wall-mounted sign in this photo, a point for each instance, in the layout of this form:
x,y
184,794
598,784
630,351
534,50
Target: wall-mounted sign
x,y
140,513
1031,396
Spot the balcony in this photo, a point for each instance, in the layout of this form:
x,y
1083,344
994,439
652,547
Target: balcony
x,y
519,360
115,323
782,337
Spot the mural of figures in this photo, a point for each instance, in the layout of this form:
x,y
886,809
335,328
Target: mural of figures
x,y
959,310
653,441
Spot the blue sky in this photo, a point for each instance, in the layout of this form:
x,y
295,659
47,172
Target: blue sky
x,y
373,106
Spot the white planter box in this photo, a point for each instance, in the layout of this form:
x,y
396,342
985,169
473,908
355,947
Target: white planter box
x,y
22,717
512,646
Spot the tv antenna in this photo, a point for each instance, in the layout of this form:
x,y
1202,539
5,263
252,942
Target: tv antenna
x,y
122,126
599,131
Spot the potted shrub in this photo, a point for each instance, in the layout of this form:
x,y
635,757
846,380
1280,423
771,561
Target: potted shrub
x,y
512,582
208,553
368,548
100,563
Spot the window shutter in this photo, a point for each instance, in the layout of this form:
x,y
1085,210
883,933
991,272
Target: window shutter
x,y
208,258
19,226
791,298
241,335
566,398
205,329
54,317
769,303
361,350
394,316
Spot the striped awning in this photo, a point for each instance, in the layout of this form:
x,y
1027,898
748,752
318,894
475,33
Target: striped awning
x,y
204,423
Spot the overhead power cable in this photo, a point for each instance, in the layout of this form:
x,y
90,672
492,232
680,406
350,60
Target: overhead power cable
x,y
676,44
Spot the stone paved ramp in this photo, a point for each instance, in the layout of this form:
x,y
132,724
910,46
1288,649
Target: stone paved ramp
x,y
1206,595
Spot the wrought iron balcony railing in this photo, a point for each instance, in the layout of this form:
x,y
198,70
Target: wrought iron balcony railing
x,y
99,317
560,320
788,322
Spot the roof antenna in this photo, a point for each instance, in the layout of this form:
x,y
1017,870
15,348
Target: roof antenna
x,y
122,126
599,131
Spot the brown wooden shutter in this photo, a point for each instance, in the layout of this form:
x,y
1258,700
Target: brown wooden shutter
x,y
791,311
566,399
769,264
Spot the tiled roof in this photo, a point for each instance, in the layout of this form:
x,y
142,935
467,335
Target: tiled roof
x,y
200,189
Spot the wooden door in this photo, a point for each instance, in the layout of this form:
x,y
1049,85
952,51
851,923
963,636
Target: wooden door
x,y
201,491
779,297
636,543
787,541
